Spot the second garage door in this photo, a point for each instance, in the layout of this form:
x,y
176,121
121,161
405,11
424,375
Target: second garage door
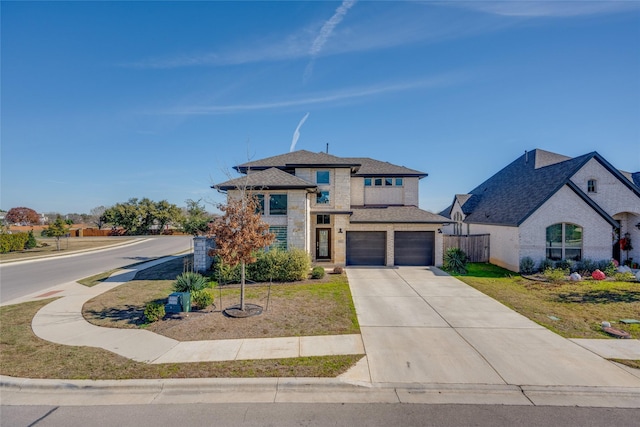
x,y
414,247
366,247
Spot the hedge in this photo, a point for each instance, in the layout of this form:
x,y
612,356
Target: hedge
x,y
13,242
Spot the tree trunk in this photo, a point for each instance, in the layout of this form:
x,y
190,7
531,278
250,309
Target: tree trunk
x,y
242,280
57,243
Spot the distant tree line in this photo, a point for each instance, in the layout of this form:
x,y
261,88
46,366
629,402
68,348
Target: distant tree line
x,y
135,217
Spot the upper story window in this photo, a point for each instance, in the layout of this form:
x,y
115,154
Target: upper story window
x,y
387,182
322,177
592,186
278,204
564,241
457,226
322,198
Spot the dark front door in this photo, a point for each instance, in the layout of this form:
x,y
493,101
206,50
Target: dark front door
x,y
323,243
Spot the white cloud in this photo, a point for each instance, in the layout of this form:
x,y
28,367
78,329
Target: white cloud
x,y
316,99
547,8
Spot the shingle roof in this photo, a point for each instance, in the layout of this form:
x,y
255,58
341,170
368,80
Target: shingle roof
x,y
266,179
372,167
362,166
295,158
518,190
396,214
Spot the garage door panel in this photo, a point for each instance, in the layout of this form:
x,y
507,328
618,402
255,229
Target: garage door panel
x,y
366,247
414,247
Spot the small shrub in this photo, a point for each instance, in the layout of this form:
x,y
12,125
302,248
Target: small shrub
x,y
338,270
317,273
556,274
31,241
455,260
202,298
626,276
13,242
545,264
44,233
598,275
527,265
585,267
153,312
565,264
607,267
190,282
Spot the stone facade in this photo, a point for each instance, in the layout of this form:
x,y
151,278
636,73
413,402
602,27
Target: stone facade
x,y
201,258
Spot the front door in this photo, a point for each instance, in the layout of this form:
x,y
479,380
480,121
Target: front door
x,y
323,243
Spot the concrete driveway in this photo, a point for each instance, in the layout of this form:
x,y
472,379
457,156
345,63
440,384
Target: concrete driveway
x,y
420,325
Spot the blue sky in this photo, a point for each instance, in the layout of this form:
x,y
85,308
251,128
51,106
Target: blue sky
x,y
104,101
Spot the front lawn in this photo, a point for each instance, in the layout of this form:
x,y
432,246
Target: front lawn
x,y
579,307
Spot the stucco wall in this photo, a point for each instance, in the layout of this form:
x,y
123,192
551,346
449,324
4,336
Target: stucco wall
x,y
503,244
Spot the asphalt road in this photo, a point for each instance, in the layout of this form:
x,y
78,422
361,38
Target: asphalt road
x,y
23,278
310,414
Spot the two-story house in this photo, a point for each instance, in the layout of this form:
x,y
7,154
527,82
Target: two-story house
x,y
343,210
548,206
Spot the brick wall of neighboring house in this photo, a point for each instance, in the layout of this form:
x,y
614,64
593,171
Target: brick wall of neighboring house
x,y
565,206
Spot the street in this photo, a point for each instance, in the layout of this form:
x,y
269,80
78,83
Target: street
x,y
312,414
23,278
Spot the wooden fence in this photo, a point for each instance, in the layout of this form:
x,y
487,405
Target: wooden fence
x,y
476,246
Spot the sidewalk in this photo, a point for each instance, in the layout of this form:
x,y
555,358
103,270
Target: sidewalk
x,y
428,337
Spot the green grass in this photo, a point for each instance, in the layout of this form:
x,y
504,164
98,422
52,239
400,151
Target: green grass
x,y
580,306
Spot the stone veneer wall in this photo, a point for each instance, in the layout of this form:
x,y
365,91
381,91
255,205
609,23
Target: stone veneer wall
x,y
201,259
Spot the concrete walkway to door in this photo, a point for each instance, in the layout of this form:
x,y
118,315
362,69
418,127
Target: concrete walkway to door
x,y
420,325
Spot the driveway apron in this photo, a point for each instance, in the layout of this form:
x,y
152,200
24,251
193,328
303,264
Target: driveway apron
x,y
420,325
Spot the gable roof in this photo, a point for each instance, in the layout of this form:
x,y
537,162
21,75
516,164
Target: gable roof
x,y
360,166
396,214
510,196
271,178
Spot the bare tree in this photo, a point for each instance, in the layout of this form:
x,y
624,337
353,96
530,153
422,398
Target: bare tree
x,y
238,233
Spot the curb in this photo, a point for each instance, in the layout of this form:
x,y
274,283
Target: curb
x,y
24,391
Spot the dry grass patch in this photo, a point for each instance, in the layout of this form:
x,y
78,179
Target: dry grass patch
x,y
22,354
311,307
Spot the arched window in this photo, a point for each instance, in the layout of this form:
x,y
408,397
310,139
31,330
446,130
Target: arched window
x,y
564,241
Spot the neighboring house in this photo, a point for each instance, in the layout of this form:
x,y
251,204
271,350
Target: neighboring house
x,y
545,205
343,210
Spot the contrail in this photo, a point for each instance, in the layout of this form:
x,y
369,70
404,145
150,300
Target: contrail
x,y
325,33
296,133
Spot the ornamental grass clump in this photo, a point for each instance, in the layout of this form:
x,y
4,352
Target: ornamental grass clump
x,y
455,260
556,274
190,282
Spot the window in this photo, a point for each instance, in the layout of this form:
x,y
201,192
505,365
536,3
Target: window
x,y
323,219
322,177
564,241
278,204
280,241
378,182
260,207
592,186
388,181
398,182
367,182
322,198
457,226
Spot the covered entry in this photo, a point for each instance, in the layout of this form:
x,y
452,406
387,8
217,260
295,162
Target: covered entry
x,y
366,247
414,247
